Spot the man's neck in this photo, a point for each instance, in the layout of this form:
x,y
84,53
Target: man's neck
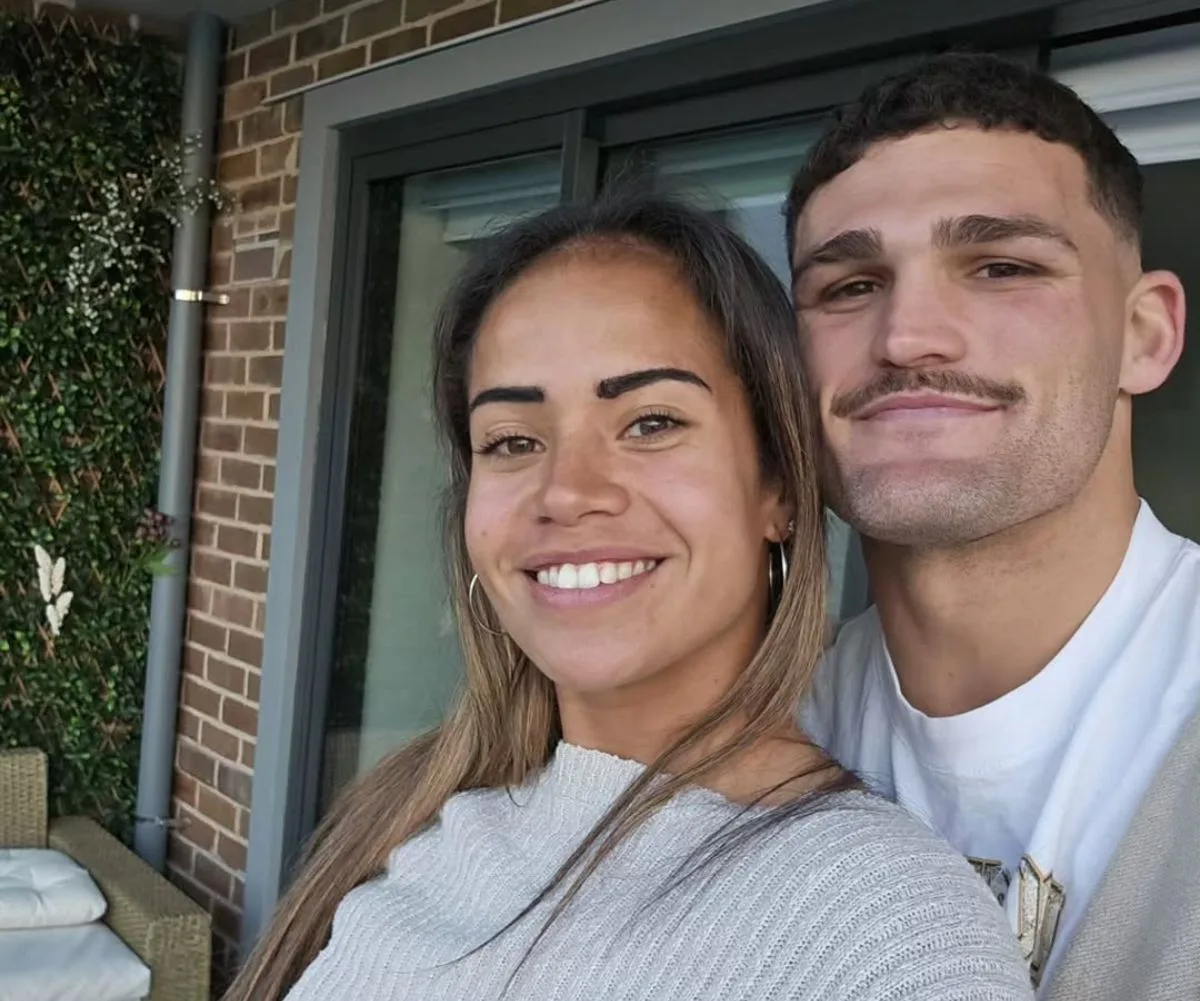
x,y
969,625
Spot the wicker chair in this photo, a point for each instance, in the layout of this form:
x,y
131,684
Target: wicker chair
x,y
170,932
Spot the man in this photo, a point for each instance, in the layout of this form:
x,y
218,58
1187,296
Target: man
x,y
976,321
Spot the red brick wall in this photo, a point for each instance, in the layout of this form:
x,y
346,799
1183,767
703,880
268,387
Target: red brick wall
x,y
296,43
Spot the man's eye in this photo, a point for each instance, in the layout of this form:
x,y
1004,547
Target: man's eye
x,y
509,446
652,425
1005,269
851,290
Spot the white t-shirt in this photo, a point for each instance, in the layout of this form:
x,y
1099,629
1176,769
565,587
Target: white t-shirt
x,y
1038,787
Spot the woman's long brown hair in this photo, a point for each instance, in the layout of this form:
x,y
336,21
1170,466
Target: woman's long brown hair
x,y
504,724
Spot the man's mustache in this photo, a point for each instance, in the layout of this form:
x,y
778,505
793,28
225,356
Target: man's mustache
x,y
891,382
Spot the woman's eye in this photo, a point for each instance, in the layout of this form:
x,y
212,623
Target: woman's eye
x,y
651,425
510,447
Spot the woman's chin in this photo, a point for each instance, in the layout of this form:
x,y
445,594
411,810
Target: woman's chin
x,y
594,676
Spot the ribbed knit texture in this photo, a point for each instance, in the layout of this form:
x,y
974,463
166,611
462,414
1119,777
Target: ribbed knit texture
x,y
855,900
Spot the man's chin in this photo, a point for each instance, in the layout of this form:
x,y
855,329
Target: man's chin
x,y
927,512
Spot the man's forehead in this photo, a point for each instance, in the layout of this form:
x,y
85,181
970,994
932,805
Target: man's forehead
x,y
907,186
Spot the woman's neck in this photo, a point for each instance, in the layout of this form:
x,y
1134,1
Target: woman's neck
x,y
774,769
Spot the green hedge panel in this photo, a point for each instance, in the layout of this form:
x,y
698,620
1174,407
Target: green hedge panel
x,y
86,196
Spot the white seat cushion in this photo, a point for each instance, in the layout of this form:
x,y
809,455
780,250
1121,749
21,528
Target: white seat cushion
x,y
40,888
84,963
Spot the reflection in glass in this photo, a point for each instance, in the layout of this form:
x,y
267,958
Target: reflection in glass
x,y
396,659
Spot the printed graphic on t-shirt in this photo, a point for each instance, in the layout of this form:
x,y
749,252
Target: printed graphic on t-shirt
x,y
1040,900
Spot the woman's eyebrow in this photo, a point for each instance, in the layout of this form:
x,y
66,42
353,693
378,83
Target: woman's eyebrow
x,y
609,389
606,389
508,394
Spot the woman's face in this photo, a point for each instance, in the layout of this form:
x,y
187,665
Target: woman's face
x,y
617,516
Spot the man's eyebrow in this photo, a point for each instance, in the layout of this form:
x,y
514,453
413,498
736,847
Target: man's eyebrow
x,y
610,389
849,245
967,230
508,394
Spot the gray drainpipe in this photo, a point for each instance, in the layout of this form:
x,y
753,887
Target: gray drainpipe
x,y
176,479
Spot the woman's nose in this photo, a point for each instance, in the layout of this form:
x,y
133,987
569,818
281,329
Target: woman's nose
x,y
579,480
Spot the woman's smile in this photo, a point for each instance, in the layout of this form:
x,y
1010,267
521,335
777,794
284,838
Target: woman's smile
x,y
590,582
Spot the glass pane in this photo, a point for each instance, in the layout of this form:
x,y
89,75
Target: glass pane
x,y
396,659
1166,423
744,177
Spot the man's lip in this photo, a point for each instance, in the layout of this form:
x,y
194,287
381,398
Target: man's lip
x,y
923,401
544,561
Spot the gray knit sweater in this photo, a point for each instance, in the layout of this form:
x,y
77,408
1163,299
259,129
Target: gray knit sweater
x,y
853,901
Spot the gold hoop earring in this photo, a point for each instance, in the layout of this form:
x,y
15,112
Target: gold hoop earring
x,y
475,616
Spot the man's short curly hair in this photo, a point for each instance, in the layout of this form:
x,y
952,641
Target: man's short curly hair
x,y
985,92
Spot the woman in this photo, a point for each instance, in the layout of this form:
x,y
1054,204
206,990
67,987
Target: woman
x,y
618,806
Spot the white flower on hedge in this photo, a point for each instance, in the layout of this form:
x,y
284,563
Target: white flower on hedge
x,y
52,575
58,611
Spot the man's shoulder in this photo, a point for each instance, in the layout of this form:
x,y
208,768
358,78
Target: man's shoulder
x,y
843,677
855,645
1161,548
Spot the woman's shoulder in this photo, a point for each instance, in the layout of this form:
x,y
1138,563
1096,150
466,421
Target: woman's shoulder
x,y
892,908
862,845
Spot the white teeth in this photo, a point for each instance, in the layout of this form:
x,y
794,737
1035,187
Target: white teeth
x,y
585,576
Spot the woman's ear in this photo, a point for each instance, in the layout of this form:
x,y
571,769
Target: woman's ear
x,y
779,521
1154,329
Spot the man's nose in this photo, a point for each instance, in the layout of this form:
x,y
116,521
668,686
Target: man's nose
x,y
920,324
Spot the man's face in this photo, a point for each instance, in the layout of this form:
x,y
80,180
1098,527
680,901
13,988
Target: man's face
x,y
963,307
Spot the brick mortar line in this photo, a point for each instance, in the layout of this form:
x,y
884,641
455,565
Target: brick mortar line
x,y
220,693
209,821
252,353
238,387
254,561
344,15
256,595
212,821
223,355
250,561
223,653
242,700
221,864
496,27
262,460
212,551
210,753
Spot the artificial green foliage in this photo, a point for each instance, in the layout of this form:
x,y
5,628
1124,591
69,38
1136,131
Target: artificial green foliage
x,y
86,201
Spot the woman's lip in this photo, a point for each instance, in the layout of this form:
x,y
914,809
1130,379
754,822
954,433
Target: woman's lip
x,y
544,561
559,597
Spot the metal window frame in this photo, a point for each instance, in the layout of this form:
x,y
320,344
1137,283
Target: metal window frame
x,y
605,73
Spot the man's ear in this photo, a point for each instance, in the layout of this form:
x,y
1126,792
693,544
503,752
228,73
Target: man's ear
x,y
1156,318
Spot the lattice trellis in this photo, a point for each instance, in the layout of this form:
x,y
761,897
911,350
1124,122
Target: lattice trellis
x,y
80,393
